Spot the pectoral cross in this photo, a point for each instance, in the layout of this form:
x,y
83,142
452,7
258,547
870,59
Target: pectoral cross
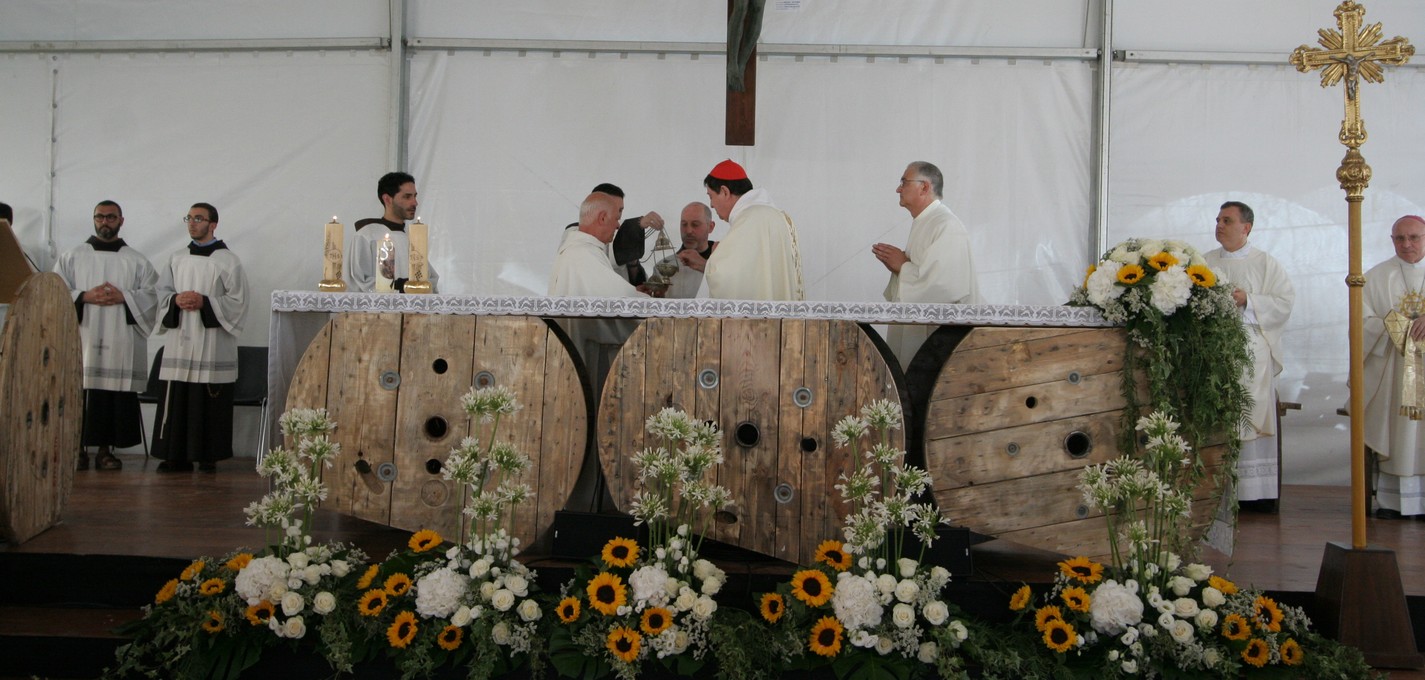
x,y
1350,54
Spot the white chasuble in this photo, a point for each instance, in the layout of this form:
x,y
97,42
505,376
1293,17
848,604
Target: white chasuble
x,y
1396,439
758,259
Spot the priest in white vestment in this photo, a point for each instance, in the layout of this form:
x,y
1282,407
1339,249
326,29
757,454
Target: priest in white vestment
x,y
935,266
1391,376
1264,295
366,272
202,302
758,259
113,288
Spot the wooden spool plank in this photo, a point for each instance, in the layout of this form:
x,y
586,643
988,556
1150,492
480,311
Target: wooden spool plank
x,y
308,388
437,354
788,515
42,390
1039,358
993,337
749,359
1033,403
821,505
1026,450
363,348
565,433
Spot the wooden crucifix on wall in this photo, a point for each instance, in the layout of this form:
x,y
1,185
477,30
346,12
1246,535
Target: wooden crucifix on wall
x,y
744,25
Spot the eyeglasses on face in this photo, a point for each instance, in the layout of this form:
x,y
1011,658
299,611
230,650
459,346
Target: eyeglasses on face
x,y
908,181
107,218
195,219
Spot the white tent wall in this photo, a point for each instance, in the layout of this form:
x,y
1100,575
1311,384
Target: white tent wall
x,y
505,143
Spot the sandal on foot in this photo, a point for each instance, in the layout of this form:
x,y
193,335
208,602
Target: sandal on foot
x,y
107,461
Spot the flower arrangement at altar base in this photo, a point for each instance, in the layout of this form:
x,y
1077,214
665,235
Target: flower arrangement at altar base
x,y
1186,335
216,617
865,608
469,604
655,603
1152,614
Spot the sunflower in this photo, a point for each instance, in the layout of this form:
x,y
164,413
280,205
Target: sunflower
x,y
1202,275
1045,615
212,587
607,593
1257,652
1291,653
214,624
402,630
568,609
1222,585
424,540
449,638
1162,261
1059,636
1130,274
1076,598
624,642
397,584
1092,268
655,620
1235,627
773,607
620,552
834,555
825,637
238,562
167,592
191,571
371,602
368,577
1268,616
1021,598
259,613
812,587
1082,569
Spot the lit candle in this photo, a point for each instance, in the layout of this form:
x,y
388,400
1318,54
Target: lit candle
x,y
332,251
419,236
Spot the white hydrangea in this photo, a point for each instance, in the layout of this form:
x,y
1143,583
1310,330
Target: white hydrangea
x,y
1102,285
856,601
648,584
1170,289
438,594
254,583
1114,608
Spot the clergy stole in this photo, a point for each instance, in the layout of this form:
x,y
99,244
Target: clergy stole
x,y
1412,366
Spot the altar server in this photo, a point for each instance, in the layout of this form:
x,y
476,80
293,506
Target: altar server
x,y
758,259
1264,296
113,288
1395,396
366,270
935,265
202,297
695,226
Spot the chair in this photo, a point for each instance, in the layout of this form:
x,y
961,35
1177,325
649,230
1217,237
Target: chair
x,y
249,390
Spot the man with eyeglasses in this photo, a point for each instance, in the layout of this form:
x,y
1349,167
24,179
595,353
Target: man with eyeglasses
x,y
366,269
1393,381
202,296
758,259
1264,297
935,265
113,288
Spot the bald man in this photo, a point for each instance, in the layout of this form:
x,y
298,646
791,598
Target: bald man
x,y
1395,397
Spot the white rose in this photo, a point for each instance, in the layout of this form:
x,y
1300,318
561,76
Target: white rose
x,y
1185,607
1181,585
885,645
502,600
907,590
292,603
298,560
1130,666
927,652
686,600
704,569
324,603
958,631
479,568
1123,255
672,586
312,574
886,584
1114,608
1146,631
294,628
711,586
704,607
294,580
1206,619
487,590
903,615
500,633
1211,657
462,617
529,611
936,612
1198,572
1113,655
1213,597
681,642
1182,631
1150,247
340,568
276,591
907,567
517,584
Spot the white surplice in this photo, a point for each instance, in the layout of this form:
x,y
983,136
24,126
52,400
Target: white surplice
x,y
115,350
940,269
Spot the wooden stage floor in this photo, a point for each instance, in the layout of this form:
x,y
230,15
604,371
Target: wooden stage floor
x,y
137,511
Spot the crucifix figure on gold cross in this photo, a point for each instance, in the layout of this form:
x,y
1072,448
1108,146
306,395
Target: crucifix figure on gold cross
x,y
1352,53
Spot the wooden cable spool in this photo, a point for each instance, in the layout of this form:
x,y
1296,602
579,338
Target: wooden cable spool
x,y
1013,417
776,388
42,389
393,384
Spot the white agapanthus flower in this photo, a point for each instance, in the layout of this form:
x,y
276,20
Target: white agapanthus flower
x,y
438,594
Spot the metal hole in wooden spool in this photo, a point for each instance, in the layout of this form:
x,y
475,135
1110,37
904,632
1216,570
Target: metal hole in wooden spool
x,y
724,517
436,428
1012,449
390,380
802,397
434,493
361,465
386,472
783,493
1078,444
746,434
440,366
484,379
1031,402
433,466
810,444
1075,378
1082,511
707,378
